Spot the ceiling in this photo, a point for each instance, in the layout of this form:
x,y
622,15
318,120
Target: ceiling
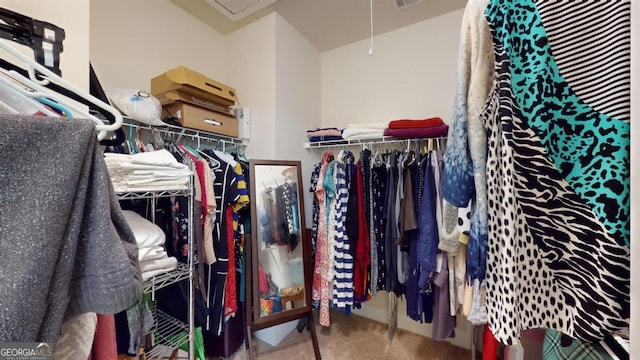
x,y
329,24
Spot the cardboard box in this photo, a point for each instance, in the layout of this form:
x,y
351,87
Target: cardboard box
x,y
191,82
195,117
179,96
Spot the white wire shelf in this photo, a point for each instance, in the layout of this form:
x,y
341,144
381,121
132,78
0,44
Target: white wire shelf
x,y
186,132
368,141
149,194
169,332
163,280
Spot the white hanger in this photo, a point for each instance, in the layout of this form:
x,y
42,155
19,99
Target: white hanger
x,y
43,92
14,94
49,76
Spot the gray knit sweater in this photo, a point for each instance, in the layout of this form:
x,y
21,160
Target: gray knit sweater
x,y
65,247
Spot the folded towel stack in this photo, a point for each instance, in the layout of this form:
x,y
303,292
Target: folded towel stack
x,y
150,238
147,171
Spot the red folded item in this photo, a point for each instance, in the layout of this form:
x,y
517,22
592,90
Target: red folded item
x,y
411,124
430,132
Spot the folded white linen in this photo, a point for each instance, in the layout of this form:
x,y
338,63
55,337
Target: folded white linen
x,y
128,166
150,253
160,157
147,233
121,188
166,172
153,267
154,182
155,264
357,134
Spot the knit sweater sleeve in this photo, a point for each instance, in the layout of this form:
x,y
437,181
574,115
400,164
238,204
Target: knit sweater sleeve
x,y
106,277
65,245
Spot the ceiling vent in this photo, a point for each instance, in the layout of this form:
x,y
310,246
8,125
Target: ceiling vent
x,y
401,4
239,9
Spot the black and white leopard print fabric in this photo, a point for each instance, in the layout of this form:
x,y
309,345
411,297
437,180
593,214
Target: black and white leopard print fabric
x,y
551,263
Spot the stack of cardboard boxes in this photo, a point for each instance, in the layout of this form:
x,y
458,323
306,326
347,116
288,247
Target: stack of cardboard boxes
x,y
196,101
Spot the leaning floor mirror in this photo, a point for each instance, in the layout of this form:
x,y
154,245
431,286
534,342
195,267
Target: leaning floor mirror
x,y
279,267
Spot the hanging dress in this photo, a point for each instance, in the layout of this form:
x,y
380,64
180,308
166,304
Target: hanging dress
x,y
320,290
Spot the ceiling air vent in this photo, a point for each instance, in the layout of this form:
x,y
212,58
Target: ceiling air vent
x,y
239,9
401,4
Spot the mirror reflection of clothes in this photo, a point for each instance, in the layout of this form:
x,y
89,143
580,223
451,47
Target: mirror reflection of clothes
x,y
270,302
266,217
279,216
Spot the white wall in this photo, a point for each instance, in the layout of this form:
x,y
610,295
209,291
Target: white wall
x,y
411,74
297,101
251,68
133,41
73,17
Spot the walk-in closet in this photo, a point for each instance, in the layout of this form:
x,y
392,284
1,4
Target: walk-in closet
x,y
352,179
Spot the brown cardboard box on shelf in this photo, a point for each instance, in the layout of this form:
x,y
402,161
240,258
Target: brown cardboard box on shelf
x,y
195,117
191,82
179,96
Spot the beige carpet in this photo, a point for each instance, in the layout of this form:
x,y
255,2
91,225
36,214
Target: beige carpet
x,y
355,337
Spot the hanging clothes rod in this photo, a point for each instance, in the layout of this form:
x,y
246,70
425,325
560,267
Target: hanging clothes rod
x,y
186,132
372,141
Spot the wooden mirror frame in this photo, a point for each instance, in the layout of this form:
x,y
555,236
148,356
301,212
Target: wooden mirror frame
x,y
252,295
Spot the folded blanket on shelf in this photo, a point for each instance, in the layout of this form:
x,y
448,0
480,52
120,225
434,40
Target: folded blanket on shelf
x,y
147,234
325,138
362,133
160,157
151,253
146,275
324,132
411,124
158,264
119,167
127,175
430,132
147,173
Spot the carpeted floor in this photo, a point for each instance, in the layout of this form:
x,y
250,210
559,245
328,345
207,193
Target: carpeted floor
x,y
355,337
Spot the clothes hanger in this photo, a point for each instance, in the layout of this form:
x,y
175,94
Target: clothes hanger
x,y
45,39
39,91
50,77
117,137
63,109
211,159
6,109
192,150
95,88
14,96
241,154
